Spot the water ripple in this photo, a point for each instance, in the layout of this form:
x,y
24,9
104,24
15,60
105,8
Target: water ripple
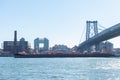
x,y
60,69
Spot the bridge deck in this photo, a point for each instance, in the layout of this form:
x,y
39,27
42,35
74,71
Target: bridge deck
x,y
109,33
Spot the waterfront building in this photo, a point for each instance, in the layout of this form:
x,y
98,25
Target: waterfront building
x,y
61,48
74,48
116,51
38,42
22,45
106,47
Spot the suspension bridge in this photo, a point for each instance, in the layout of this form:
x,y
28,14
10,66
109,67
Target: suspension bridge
x,y
93,38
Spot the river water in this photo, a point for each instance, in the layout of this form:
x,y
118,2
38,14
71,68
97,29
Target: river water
x,y
59,68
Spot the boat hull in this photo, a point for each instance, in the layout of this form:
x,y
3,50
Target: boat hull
x,y
62,55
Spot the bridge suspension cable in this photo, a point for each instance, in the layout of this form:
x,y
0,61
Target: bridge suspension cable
x,y
83,33
101,28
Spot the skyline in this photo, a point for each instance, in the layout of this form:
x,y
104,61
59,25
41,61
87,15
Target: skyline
x,y
61,21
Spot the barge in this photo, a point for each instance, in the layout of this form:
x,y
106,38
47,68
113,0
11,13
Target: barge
x,y
62,55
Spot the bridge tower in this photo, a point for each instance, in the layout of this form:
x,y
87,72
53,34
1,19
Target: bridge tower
x,y
91,30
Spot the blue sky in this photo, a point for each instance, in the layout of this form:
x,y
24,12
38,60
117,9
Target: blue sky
x,y
61,21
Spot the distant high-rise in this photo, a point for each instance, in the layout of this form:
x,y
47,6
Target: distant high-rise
x,y
43,41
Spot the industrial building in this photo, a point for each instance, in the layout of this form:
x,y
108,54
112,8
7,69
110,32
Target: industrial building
x,y
21,45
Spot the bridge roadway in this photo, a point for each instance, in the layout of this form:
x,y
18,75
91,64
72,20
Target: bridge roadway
x,y
106,34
